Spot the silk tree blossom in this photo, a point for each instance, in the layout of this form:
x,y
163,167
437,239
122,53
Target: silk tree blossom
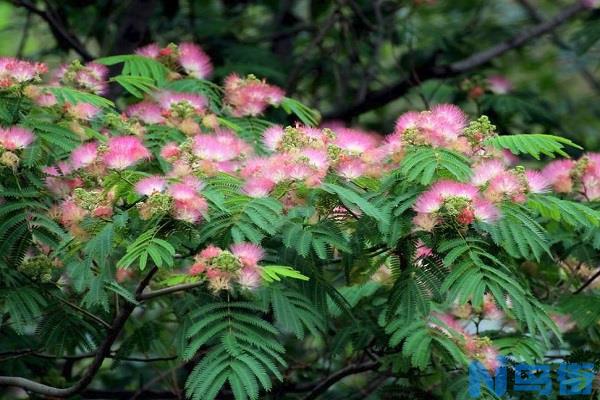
x,y
124,151
15,138
14,71
82,111
559,174
590,179
258,186
439,127
223,145
499,84
150,185
147,112
487,170
194,61
272,137
151,50
351,168
355,141
537,182
84,155
250,96
182,104
461,201
91,77
225,268
249,253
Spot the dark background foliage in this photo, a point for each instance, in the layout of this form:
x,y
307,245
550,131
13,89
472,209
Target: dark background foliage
x,y
359,61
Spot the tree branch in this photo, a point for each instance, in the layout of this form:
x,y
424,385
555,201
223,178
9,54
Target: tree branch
x,y
101,353
588,282
59,31
381,97
339,375
168,290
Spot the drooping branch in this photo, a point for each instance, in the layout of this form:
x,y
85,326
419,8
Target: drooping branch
x,y
381,97
339,375
536,16
168,290
58,29
101,353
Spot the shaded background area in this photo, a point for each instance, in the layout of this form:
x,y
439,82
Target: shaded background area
x,y
361,61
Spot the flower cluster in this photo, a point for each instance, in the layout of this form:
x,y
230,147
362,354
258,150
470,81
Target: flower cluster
x,y
12,140
224,268
188,57
580,178
475,347
449,201
90,77
181,198
17,72
250,96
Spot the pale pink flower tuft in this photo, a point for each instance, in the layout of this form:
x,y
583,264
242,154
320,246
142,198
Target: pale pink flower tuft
x,y
355,141
537,182
223,145
558,173
147,112
249,278
272,136
487,170
250,96
499,84
194,60
258,187
351,168
209,252
151,50
150,185
170,151
250,254
124,151
485,211
84,155
15,138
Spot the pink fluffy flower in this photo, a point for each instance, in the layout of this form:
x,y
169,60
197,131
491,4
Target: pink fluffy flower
x,y
194,60
249,278
441,126
258,186
15,138
250,96
406,121
432,199
590,179
209,252
505,184
484,210
272,136
150,185
151,50
537,182
124,151
499,84
487,170
170,151
355,141
147,112
71,213
14,71
249,253
84,155
558,173
351,168
83,111
168,99
190,210
223,145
